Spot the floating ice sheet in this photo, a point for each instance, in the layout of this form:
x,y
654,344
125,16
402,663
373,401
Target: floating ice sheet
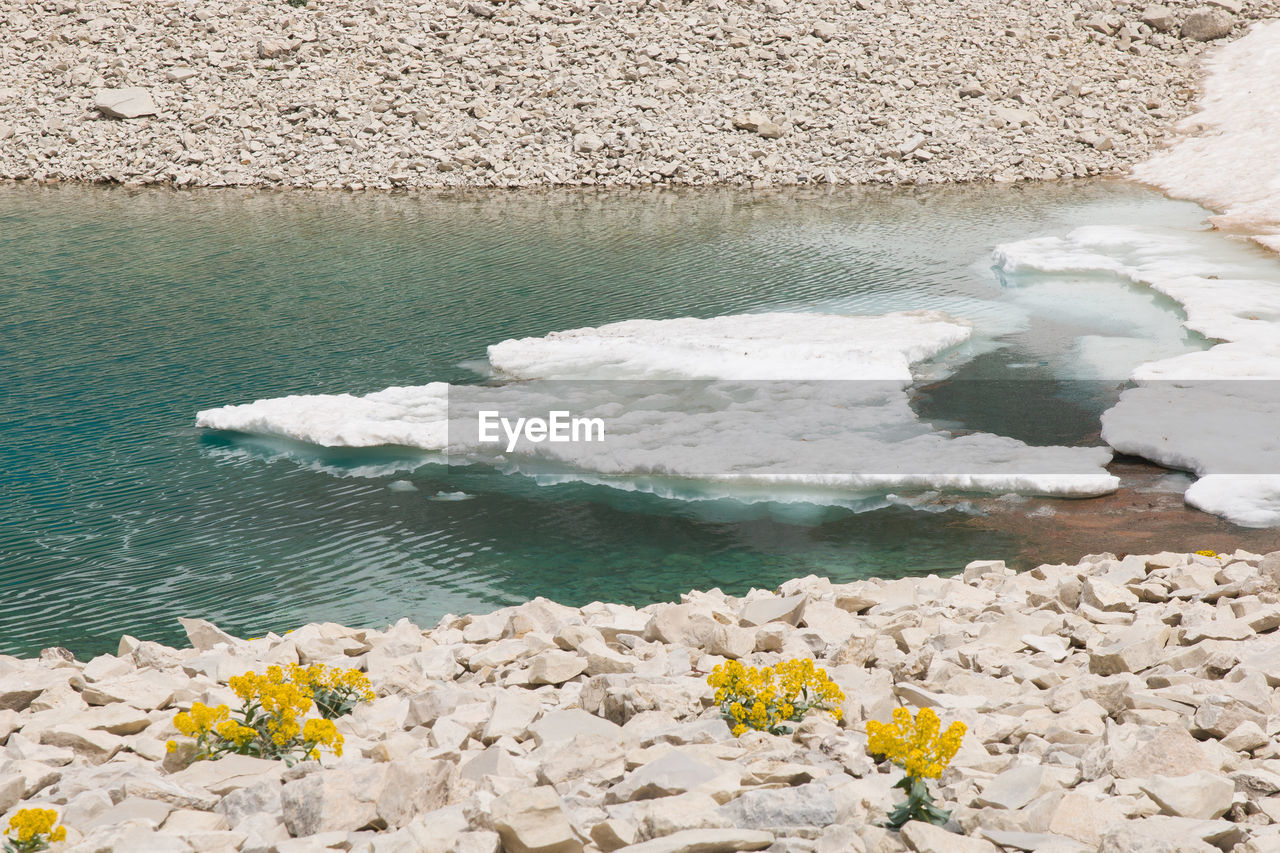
x,y
777,407
739,346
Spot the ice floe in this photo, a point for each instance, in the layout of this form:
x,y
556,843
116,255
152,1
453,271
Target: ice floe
x,y
739,346
776,407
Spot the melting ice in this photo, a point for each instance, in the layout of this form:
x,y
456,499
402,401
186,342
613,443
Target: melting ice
x,y
776,407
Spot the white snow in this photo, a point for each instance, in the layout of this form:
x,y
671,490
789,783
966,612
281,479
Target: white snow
x,y
739,422
1231,159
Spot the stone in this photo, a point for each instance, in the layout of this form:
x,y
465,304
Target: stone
x,y
1015,787
229,773
671,773
758,124
705,841
555,667
587,143
338,799
1143,835
130,102
927,838
669,815
532,820
201,633
511,716
1107,596
414,786
612,833
153,812
761,611
1080,817
19,689
1218,716
94,746
1159,18
12,789
1138,752
1207,24
1133,651
1247,736
824,31
564,725
494,761
688,625
1200,795
804,805
147,691
978,569
262,798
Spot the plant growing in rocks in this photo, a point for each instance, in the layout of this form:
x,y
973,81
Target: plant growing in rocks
x,y
269,724
767,699
31,830
923,751
335,691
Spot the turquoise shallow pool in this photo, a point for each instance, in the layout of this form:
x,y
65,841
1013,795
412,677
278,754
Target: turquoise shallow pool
x,y
125,312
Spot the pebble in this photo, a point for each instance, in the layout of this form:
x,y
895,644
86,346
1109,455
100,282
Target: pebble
x,y
1116,704
447,93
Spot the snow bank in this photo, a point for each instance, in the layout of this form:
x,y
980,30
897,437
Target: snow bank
x,y
1232,162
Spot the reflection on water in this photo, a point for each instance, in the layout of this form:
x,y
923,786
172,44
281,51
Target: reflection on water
x,y
124,312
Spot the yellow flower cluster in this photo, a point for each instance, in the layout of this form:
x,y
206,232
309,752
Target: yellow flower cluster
x,y
272,721
282,702
765,699
335,691
332,678
323,733
917,745
201,719
33,829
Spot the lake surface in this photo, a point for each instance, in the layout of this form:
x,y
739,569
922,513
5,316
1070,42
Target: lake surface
x,y
123,312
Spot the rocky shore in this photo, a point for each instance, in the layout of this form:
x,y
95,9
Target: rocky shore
x,y
1121,704
450,93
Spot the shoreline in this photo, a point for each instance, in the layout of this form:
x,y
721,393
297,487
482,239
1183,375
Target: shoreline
x,y
1117,704
875,91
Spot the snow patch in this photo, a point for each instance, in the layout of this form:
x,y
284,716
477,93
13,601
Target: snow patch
x,y
1232,162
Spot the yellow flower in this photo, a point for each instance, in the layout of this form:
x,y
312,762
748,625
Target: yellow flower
x,y
917,746
200,720
29,824
769,698
323,733
237,733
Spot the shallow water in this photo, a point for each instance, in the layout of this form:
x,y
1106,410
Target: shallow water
x,y
124,312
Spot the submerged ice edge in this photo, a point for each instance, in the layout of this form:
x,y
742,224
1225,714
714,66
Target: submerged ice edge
x,y
1194,411
782,436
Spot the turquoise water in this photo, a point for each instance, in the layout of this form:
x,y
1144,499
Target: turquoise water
x,y
124,312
